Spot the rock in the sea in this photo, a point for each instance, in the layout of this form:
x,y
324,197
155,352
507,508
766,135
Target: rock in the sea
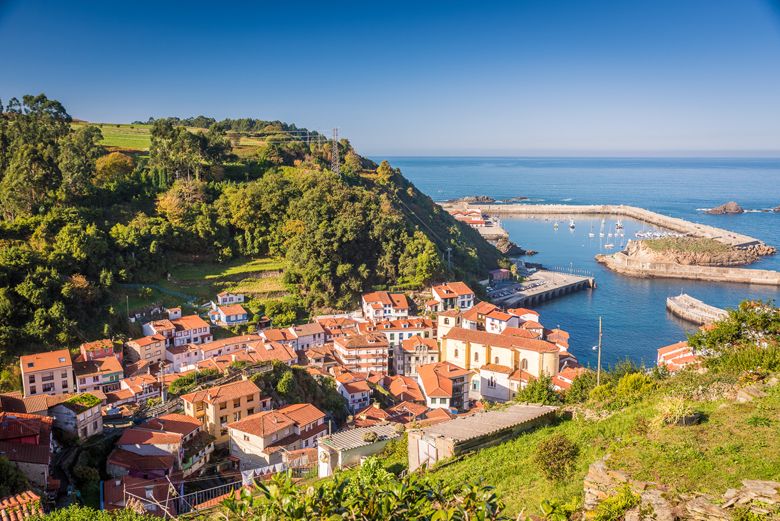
x,y
776,209
729,208
478,199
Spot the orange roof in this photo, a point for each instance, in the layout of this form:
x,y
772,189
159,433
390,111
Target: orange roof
x,y
136,383
147,340
45,361
225,342
400,324
522,311
496,340
439,414
310,329
531,324
269,422
500,315
188,322
139,436
223,393
279,335
437,378
269,351
396,300
371,415
451,289
497,368
480,308
673,347
411,344
21,506
98,366
403,388
369,340
520,333
233,309
105,343
410,408
521,376
173,422
302,413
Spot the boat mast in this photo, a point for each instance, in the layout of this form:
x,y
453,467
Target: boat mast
x,y
598,363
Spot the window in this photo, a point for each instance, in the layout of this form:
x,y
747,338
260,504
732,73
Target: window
x,y
31,379
524,364
33,390
495,360
64,374
456,353
236,416
476,357
250,399
94,426
246,438
237,402
491,382
223,419
251,410
95,378
223,406
447,321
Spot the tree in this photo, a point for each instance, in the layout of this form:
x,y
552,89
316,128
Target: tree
x,y
12,480
539,390
181,204
112,169
78,152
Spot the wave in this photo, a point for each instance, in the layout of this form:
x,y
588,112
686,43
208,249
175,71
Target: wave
x,y
567,199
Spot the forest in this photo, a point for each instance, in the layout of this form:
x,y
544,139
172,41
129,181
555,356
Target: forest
x,y
78,219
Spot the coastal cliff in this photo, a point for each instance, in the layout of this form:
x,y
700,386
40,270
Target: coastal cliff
x,y
690,251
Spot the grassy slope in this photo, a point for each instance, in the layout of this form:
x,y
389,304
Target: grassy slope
x,y
686,244
710,457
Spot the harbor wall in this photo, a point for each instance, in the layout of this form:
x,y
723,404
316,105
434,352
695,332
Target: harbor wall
x,y
641,214
622,263
694,310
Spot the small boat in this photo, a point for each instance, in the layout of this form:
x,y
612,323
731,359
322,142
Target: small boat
x,y
555,225
609,235
571,224
619,224
591,234
601,231
609,246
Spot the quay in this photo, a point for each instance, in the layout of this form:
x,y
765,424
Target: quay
x,y
694,310
671,223
545,285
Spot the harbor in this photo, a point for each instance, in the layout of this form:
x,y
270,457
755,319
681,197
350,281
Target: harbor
x,y
694,310
540,286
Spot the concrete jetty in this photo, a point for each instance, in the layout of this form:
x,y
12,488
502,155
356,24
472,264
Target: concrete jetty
x,y
671,223
545,285
694,310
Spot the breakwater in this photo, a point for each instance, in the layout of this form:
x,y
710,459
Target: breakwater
x,y
622,263
671,223
694,310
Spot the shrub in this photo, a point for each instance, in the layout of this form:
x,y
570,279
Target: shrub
x,y
556,456
370,437
614,507
554,510
581,387
672,410
539,391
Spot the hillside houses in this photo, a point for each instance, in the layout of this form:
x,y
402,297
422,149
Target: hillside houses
x,y
451,295
445,385
178,330
380,305
47,373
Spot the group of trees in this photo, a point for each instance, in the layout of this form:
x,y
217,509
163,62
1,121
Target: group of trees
x,y
77,219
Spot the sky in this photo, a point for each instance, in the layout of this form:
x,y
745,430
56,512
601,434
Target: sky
x,y
522,77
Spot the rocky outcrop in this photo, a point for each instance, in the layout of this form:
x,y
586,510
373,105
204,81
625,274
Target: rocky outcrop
x,y
511,249
776,209
658,502
730,208
639,250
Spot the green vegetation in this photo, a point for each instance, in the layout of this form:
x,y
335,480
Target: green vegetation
x,y
556,457
87,230
686,245
614,507
288,385
187,382
81,513
369,494
12,481
85,400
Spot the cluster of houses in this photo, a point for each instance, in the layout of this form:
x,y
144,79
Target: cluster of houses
x,y
394,367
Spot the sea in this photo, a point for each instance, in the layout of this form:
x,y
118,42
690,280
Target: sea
x,y
633,311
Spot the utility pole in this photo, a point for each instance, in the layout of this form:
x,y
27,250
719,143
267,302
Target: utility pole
x,y
449,259
335,152
598,366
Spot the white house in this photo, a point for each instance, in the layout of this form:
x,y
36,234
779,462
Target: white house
x,y
445,385
355,389
190,329
79,415
226,298
398,330
382,304
228,315
492,383
452,295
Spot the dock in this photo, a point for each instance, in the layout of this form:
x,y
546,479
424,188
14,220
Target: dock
x,y
545,285
694,310
727,237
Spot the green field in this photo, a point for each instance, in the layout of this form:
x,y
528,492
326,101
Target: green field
x,y
200,282
123,136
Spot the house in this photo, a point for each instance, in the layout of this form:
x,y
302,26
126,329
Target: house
x,y
524,314
452,295
355,389
323,358
500,274
415,351
197,444
157,496
348,448
474,317
445,385
146,452
177,330
363,353
398,330
150,349
563,380
259,440
226,346
471,349
184,357
379,305
135,389
497,321
100,349
217,406
228,315
403,388
337,326
98,374
227,298
518,380
471,432
79,415
26,441
402,414
47,373
308,336
559,337
21,506
677,356
257,352
494,384
446,320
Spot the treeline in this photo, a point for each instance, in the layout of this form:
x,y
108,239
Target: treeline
x,y
76,220
245,125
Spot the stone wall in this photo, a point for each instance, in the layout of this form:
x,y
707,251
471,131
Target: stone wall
x,y
622,263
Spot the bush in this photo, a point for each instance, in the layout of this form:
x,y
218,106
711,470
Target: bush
x,y
614,507
671,411
556,457
631,388
370,437
539,391
580,388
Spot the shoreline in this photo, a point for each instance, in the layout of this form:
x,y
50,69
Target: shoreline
x,y
676,224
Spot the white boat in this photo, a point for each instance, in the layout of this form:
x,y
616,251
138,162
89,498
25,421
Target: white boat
x,y
601,231
555,225
609,246
571,224
619,224
609,235
591,234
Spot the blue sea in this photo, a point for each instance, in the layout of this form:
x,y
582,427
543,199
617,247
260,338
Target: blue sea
x,y
636,322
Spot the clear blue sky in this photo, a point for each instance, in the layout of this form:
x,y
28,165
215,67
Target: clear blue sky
x,y
462,78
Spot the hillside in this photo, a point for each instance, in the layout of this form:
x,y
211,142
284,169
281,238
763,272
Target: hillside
x,y
98,217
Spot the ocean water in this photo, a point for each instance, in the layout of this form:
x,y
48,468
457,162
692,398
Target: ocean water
x,y
633,310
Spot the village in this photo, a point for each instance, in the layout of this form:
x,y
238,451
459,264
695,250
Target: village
x,y
397,367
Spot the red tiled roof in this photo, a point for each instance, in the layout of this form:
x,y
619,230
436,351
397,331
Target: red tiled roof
x,y
497,368
451,289
21,506
369,340
403,388
411,344
98,345
232,309
223,393
500,340
141,436
148,340
522,311
437,378
173,422
397,300
189,322
480,308
132,461
99,366
45,361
